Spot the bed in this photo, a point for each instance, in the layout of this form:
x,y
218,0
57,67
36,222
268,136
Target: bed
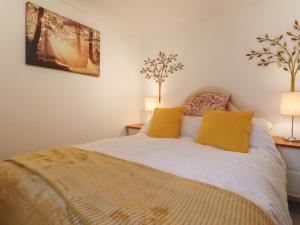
x,y
142,180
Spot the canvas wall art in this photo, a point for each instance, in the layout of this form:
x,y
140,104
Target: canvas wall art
x,y
56,42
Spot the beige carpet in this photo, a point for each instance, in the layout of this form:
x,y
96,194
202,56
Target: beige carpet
x,y
295,211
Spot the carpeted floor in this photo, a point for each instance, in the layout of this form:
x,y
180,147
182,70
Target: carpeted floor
x,y
295,212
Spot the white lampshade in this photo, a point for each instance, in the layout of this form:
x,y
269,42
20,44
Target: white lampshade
x,y
150,104
290,104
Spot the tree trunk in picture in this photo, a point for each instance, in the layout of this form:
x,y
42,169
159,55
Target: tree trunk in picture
x,y
293,78
46,42
91,46
77,27
159,92
37,34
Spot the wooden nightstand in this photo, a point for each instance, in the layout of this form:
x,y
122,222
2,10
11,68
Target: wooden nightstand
x,y
290,152
135,127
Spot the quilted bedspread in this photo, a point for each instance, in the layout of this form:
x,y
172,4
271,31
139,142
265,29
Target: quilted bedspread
x,y
73,186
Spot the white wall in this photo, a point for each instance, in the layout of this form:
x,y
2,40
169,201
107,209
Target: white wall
x,y
213,51
41,108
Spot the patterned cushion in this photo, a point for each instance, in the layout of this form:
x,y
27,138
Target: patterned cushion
x,y
197,104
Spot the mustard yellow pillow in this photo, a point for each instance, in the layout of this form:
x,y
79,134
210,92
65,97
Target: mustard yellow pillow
x,y
166,123
226,130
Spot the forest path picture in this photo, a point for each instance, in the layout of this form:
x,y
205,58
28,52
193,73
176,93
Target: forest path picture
x,y
56,42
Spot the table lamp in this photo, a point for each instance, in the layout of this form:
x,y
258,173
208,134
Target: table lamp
x,y
150,104
290,106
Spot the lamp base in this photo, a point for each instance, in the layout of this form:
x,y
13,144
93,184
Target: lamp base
x,y
291,139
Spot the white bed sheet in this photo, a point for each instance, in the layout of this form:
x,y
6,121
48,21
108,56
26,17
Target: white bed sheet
x,y
260,175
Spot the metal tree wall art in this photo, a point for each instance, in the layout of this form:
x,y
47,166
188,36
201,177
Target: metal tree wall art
x,y
277,50
160,68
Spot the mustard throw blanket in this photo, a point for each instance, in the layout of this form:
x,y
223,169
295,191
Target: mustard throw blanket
x,y
73,186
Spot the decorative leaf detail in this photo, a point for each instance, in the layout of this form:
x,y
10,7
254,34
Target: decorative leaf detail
x,y
161,67
277,50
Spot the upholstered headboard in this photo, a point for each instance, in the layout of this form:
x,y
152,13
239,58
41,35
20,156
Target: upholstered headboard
x,y
234,103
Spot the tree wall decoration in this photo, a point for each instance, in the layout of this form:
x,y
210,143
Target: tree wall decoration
x,y
160,68
277,50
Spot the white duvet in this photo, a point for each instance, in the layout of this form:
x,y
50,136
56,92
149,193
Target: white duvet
x,y
259,175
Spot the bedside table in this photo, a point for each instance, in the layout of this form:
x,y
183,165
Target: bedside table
x,y
290,152
135,127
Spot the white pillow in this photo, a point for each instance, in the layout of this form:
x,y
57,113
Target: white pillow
x,y
259,135
267,125
190,126
145,128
